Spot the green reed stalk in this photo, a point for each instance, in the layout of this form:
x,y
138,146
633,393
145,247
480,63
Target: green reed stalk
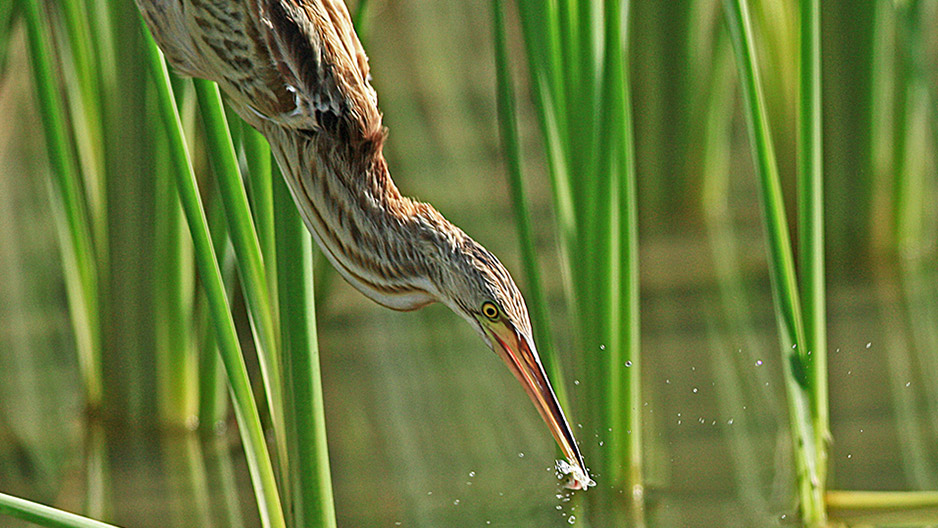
x,y
360,20
782,269
8,15
45,515
175,359
621,276
252,433
511,147
87,120
260,188
246,245
310,477
577,56
76,241
213,388
811,226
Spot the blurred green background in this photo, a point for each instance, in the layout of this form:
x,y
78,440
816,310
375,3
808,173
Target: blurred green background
x,y
426,426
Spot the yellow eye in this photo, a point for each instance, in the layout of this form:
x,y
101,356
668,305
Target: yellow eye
x,y
490,311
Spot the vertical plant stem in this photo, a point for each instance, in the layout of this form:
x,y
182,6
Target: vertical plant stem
x,y
129,360
257,154
811,226
310,477
213,389
252,434
512,149
78,252
621,309
247,247
8,15
360,20
89,136
175,359
782,270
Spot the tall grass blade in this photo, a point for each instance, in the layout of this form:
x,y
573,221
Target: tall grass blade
x,y
260,189
45,515
87,119
129,362
310,476
252,434
246,245
512,150
8,16
176,360
360,20
811,226
621,261
76,240
782,269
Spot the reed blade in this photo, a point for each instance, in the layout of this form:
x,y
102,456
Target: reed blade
x,y
811,226
252,433
251,267
79,258
781,269
310,475
45,515
511,147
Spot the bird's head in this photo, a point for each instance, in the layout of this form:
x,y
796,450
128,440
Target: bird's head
x,y
480,289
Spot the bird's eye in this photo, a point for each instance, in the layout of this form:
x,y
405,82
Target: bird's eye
x,y
490,311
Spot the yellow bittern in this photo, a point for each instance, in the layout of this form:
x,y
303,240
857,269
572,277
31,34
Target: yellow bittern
x,y
296,71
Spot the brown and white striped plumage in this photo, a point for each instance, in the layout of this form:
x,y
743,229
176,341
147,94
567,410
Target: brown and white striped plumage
x,y
296,71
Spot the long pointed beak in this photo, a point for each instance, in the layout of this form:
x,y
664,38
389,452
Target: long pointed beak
x,y
521,357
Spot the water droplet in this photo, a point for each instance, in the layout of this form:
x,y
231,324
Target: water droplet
x,y
908,384
868,345
576,382
602,347
667,382
456,502
695,390
758,362
472,473
628,363
729,422
572,519
429,493
520,455
849,456
600,443
793,347
559,507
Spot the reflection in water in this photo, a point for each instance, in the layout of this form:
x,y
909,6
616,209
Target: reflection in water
x,y
418,441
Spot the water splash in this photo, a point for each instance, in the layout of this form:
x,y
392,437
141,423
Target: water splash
x,y
577,479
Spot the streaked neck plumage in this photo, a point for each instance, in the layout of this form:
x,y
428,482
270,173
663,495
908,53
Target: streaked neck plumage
x,y
362,222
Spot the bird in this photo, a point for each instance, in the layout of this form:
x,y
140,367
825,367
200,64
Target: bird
x,y
296,71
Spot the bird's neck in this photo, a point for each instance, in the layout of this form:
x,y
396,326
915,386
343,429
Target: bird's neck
x,y
384,244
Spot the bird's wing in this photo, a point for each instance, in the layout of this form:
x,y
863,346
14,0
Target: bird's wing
x,y
320,59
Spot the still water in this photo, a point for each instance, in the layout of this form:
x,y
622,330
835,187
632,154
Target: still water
x,y
427,428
